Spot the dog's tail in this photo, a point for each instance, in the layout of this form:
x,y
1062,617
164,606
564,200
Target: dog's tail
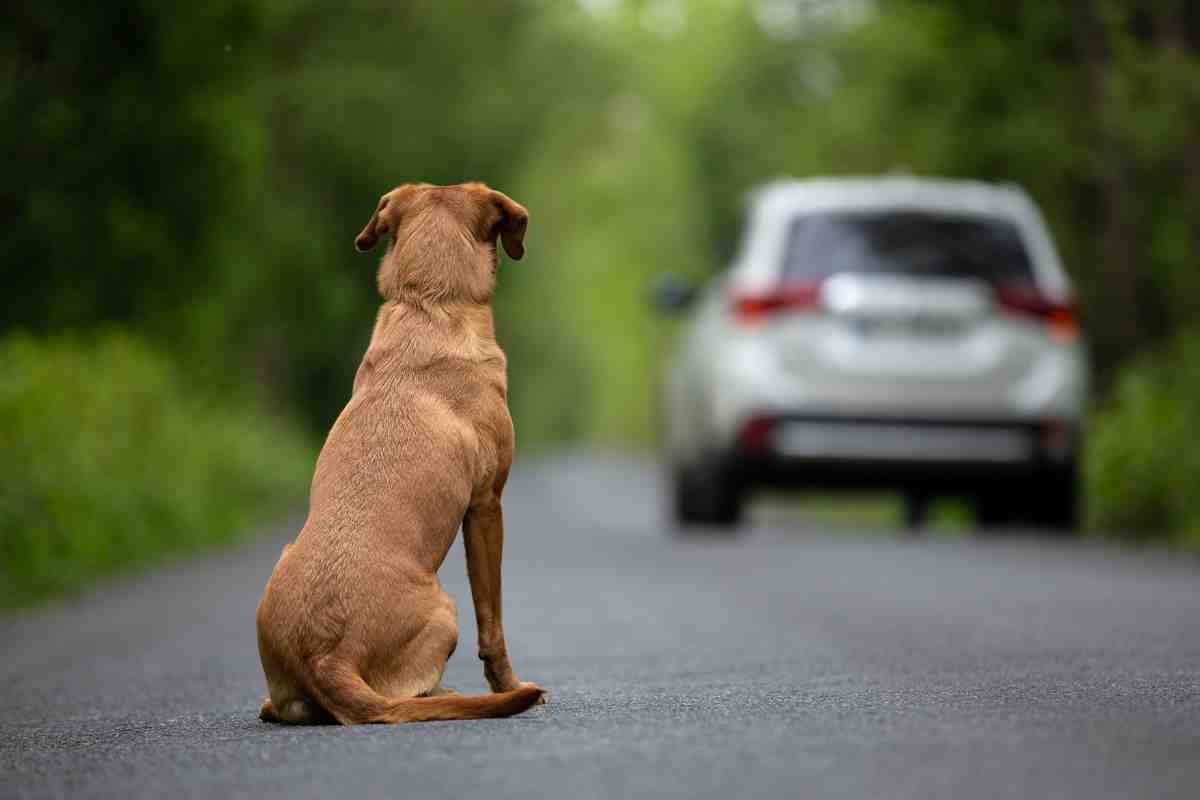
x,y
348,698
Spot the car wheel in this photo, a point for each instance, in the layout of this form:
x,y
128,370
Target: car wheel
x,y
707,494
1056,500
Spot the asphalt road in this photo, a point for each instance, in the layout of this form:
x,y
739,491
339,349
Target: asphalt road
x,y
791,661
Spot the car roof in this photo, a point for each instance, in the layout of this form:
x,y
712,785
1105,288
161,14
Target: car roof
x,y
968,197
775,204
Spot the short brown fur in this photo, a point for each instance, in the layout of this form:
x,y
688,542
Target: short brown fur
x,y
354,626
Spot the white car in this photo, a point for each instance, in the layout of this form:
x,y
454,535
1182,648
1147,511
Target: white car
x,y
881,332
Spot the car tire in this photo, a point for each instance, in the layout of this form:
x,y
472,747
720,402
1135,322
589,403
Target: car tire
x,y
706,495
1056,498
1049,502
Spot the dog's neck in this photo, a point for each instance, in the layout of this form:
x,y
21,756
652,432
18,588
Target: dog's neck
x,y
438,262
413,332
445,317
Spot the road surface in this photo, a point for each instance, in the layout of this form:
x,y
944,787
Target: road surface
x,y
792,661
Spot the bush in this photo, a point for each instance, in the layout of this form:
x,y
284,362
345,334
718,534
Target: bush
x,y
1143,466
110,460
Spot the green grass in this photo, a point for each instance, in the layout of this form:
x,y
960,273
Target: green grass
x,y
859,512
111,461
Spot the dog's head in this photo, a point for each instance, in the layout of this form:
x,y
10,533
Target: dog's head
x,y
443,239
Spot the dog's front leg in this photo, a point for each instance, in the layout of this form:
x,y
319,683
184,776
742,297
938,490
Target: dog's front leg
x,y
483,538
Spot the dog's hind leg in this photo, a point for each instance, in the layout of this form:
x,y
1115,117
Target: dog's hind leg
x,y
414,663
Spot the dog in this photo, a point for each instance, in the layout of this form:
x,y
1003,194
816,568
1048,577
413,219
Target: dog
x,y
353,626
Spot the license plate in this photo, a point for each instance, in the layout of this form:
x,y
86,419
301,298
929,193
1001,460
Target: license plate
x,y
918,326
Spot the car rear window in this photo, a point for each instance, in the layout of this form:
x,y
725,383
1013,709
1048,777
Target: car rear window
x,y
906,243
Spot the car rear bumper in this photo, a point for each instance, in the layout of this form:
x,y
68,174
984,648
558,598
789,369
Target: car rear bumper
x,y
882,452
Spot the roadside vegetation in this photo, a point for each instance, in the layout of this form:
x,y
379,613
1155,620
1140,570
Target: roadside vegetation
x,y
192,178
111,461
1143,463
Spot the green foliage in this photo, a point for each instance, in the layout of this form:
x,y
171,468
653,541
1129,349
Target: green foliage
x,y
110,460
1142,463
198,173
128,141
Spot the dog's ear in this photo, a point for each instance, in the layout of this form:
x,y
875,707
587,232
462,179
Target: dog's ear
x,y
386,217
374,229
511,224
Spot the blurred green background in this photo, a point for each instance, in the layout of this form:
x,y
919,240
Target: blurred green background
x,y
184,311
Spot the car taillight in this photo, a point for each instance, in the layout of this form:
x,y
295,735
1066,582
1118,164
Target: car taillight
x,y
754,435
753,308
1062,323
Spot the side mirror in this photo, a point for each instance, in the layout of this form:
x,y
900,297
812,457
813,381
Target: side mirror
x,y
672,292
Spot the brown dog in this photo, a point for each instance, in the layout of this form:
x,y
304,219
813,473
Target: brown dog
x,y
353,625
